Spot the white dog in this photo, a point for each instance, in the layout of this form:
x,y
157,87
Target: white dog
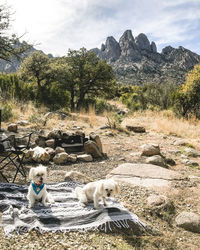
x,y
95,190
37,189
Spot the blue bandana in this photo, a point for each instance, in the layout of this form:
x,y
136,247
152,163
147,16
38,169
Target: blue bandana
x,y
37,188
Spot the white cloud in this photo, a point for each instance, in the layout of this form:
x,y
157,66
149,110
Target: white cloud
x,y
61,24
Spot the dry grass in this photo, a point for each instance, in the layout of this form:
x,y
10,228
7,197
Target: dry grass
x,y
165,122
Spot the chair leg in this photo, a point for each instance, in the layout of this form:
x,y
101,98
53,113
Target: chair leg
x,y
18,166
4,177
14,158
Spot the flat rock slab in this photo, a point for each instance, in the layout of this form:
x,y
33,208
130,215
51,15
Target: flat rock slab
x,y
146,175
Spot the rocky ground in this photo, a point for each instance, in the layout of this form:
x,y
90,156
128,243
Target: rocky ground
x,y
122,147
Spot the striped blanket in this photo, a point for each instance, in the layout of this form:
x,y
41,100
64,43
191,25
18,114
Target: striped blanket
x,y
65,215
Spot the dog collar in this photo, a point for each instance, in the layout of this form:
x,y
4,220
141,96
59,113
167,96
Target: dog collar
x,y
37,188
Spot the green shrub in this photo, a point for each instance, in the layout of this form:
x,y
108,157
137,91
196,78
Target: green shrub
x,y
101,105
6,112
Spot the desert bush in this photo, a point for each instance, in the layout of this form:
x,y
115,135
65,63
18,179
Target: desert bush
x,y
101,106
58,97
114,120
6,112
149,96
187,97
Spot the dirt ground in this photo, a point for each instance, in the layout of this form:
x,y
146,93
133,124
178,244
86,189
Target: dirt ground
x,y
122,147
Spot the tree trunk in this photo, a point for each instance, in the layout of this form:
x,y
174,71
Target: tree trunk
x,y
72,100
80,101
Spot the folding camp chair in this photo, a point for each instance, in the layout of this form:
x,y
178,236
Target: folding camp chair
x,y
13,153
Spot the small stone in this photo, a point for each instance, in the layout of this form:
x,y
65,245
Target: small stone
x,y
60,158
150,149
181,142
51,152
72,158
188,162
59,150
189,221
55,134
156,160
191,152
170,161
85,157
156,200
136,129
23,123
41,141
109,133
50,143
13,127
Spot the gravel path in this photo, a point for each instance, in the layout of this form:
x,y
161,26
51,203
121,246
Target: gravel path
x,y
119,149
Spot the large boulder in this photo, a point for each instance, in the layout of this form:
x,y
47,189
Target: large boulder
x,y
189,221
40,155
145,175
92,148
94,137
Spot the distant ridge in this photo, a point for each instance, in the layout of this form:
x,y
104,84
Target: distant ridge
x,y
14,64
136,60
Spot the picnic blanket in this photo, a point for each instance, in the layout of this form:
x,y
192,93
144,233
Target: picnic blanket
x,y
65,215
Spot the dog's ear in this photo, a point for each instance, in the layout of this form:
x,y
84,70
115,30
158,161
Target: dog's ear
x,y
100,187
31,173
116,188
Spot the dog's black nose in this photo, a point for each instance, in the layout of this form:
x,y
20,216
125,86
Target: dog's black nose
x,y
41,178
108,194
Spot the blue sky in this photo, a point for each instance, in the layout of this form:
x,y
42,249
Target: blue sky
x,y
57,25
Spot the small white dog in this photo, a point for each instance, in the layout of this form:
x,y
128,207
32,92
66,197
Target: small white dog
x,y
93,191
37,189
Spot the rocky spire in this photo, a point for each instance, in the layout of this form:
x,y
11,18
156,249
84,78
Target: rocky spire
x,y
128,46
153,47
112,49
142,42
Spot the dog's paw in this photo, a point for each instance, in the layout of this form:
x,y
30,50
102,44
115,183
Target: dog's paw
x,y
30,205
82,204
97,207
45,204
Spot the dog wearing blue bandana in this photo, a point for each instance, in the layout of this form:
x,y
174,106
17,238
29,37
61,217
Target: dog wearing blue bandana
x,y
37,189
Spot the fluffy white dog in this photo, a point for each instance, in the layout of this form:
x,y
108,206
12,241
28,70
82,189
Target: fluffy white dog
x,y
37,189
93,191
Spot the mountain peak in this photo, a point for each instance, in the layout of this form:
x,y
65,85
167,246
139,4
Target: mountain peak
x,y
136,60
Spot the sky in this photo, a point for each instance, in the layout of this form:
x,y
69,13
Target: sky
x,y
55,26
